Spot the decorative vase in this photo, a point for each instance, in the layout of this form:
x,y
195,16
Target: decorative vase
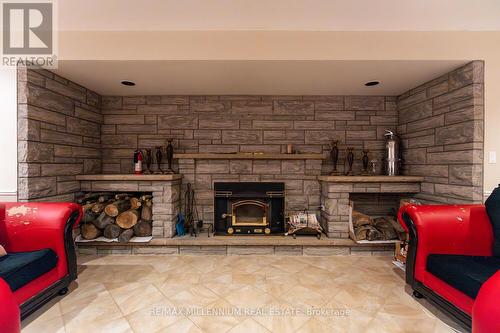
x,y
350,160
148,157
159,157
334,154
365,159
170,156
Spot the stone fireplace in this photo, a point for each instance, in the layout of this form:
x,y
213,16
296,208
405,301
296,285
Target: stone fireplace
x,y
69,136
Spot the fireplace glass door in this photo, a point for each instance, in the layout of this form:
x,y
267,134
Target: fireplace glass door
x,y
249,213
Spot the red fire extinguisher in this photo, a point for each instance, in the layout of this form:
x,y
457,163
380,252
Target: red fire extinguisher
x,y
138,162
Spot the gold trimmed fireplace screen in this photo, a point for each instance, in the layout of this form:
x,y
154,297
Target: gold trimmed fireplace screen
x,y
249,213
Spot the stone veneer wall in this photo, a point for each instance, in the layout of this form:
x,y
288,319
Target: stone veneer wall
x,y
441,124
58,135
227,124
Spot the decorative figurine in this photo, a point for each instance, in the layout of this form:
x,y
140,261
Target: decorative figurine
x,y
334,154
365,161
159,157
350,160
170,156
148,158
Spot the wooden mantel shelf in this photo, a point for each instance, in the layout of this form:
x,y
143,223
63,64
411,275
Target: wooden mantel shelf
x,y
127,177
250,156
371,179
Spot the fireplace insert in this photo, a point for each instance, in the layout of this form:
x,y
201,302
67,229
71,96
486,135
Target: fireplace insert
x,y
249,208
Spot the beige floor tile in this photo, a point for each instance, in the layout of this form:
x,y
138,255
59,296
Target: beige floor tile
x,y
249,297
183,325
42,324
195,296
134,298
153,318
119,325
210,324
249,325
100,309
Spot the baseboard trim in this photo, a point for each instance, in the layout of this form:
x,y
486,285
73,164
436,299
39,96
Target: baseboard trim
x,y
8,196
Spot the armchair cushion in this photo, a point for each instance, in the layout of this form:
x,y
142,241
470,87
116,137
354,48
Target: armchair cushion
x,y
464,273
18,269
493,209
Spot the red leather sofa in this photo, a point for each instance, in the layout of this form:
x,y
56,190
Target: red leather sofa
x,y
451,258
41,259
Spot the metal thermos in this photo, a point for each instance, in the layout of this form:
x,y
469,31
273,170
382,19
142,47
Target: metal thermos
x,y
392,161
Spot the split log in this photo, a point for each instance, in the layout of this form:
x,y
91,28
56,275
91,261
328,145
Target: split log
x,y
125,235
117,207
122,196
90,198
97,208
89,231
135,203
360,219
103,220
127,219
105,197
146,197
112,231
147,211
143,229
88,216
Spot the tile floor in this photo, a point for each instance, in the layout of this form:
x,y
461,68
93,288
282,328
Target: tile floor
x,y
204,294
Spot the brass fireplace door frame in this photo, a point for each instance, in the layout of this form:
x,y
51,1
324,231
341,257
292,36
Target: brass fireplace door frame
x,y
261,204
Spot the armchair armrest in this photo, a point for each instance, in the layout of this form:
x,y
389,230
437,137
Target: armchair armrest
x,y
444,229
9,315
485,311
33,226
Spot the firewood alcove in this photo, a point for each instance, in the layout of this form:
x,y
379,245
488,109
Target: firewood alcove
x,y
119,216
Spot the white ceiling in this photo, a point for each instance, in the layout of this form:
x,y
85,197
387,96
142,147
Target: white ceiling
x,y
291,15
253,77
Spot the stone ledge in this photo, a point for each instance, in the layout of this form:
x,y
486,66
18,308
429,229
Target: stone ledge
x,y
203,240
125,177
250,156
371,179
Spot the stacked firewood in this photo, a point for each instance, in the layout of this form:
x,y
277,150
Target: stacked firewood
x,y
119,216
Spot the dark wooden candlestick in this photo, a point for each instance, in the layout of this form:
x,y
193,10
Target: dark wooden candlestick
x,y
170,156
148,157
365,161
350,160
159,157
334,154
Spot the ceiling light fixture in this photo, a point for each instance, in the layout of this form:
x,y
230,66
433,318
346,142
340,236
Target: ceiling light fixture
x,y
128,83
372,83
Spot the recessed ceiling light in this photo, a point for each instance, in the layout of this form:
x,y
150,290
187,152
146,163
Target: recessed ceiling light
x,y
128,83
372,83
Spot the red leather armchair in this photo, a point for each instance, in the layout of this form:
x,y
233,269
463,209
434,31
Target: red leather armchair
x,y
27,227
9,313
453,232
